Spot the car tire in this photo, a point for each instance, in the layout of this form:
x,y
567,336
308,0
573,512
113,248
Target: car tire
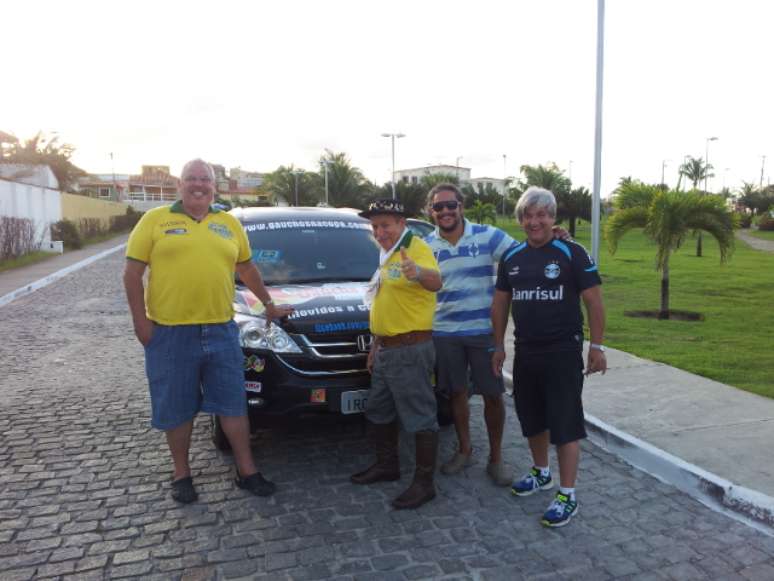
x,y
218,435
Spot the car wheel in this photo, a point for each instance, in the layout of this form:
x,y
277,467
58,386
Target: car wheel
x,y
218,435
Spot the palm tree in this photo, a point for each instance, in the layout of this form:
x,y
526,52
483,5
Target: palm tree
x,y
572,206
548,176
482,212
347,186
285,180
633,193
667,220
696,170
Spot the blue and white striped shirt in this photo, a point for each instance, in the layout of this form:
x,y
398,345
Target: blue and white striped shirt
x,y
468,269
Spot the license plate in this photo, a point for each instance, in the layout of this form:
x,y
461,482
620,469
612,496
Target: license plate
x,y
354,402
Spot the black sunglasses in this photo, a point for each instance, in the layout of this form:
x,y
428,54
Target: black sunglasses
x,y
450,205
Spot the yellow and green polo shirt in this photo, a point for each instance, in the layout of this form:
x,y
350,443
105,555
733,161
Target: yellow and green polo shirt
x,y
191,262
402,305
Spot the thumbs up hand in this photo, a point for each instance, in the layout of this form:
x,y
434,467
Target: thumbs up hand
x,y
408,267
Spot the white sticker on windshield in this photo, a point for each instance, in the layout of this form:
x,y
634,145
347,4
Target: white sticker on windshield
x,y
266,256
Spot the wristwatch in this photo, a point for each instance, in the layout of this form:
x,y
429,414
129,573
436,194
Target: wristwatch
x,y
597,346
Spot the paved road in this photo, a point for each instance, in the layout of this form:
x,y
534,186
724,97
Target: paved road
x,y
757,243
84,486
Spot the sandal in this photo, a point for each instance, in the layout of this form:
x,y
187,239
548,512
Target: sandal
x,y
183,490
255,484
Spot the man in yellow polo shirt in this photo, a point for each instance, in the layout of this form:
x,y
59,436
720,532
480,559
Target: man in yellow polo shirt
x,y
183,319
401,360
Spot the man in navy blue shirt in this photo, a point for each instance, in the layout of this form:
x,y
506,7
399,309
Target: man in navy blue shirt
x,y
544,280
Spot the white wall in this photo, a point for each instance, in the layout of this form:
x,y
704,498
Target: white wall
x,y
41,205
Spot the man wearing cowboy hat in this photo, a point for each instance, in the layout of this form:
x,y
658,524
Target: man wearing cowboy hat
x,y
401,360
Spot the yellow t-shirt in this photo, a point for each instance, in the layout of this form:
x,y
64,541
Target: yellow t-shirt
x,y
401,305
191,264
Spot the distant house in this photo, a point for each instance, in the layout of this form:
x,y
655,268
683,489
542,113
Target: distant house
x,y
155,186
112,187
240,185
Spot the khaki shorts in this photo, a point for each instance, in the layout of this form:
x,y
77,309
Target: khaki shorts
x,y
402,388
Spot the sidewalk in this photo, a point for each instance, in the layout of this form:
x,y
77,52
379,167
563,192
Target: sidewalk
x,y
18,280
639,404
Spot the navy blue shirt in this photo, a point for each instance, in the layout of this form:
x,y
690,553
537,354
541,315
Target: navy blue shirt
x,y
545,285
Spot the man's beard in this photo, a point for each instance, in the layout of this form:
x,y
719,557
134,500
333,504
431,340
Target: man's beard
x,y
450,228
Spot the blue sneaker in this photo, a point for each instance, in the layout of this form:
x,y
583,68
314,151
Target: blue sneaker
x,y
531,483
560,511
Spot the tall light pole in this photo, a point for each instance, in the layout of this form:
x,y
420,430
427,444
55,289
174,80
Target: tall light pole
x,y
706,161
326,162
296,173
763,166
598,131
393,137
725,171
663,166
505,180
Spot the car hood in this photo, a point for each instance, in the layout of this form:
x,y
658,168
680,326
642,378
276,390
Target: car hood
x,y
320,308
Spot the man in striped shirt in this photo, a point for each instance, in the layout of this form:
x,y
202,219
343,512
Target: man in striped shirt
x,y
467,255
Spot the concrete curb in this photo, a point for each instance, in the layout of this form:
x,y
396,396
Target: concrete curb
x,y
46,280
753,508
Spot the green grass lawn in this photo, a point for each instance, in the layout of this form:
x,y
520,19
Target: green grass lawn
x,y
735,342
35,257
26,260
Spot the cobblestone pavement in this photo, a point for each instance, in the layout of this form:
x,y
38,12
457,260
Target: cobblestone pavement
x,y
84,486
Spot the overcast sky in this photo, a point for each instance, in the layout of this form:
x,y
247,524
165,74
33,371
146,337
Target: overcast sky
x,y
259,84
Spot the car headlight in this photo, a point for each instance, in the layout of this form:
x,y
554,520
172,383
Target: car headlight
x,y
254,334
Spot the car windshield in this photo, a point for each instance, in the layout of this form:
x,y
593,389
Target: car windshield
x,y
302,251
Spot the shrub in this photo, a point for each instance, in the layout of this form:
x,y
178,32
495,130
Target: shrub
x,y
743,219
67,232
125,222
17,237
766,222
90,228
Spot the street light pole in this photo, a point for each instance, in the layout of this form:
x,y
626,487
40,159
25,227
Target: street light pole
x,y
326,162
763,165
297,173
393,136
595,204
505,180
706,161
663,166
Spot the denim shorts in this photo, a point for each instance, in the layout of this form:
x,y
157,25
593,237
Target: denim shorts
x,y
194,368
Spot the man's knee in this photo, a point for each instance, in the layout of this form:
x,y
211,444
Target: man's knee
x,y
494,402
459,395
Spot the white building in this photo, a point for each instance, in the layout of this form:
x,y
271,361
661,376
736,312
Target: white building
x,y
415,175
462,174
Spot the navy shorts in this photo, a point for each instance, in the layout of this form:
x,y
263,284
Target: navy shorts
x,y
547,390
454,355
194,368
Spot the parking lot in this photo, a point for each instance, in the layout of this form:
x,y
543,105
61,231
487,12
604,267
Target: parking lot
x,y
84,484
